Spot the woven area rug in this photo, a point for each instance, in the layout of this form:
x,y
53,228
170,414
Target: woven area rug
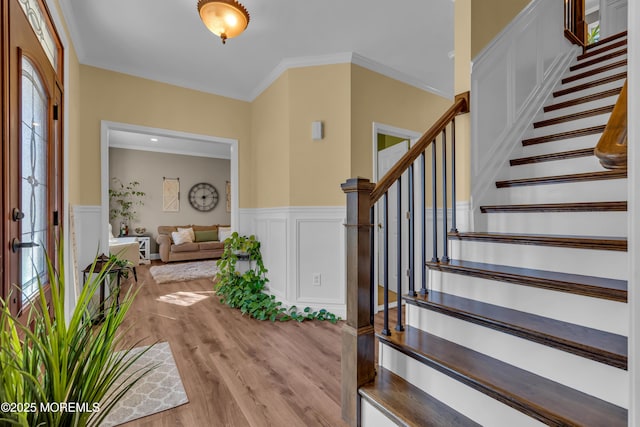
x,y
159,390
184,271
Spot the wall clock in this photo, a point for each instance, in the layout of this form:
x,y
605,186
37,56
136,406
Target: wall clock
x,y
203,197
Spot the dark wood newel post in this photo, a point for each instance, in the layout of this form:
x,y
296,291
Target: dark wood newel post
x,y
358,340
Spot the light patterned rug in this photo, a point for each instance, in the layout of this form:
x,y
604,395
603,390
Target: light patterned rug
x,y
159,390
184,271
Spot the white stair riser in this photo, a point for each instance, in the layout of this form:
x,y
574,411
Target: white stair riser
x,y
370,416
585,92
601,53
585,106
597,313
584,191
587,122
593,77
597,65
603,381
562,223
575,165
464,399
589,262
577,143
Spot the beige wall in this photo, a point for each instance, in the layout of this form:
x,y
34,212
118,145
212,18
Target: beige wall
x,y
149,168
489,17
376,98
107,95
317,168
269,167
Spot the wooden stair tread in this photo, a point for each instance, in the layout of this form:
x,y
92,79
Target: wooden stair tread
x,y
572,154
590,62
408,405
545,400
595,71
601,49
579,242
558,179
563,135
583,99
574,116
605,40
593,83
603,347
597,287
620,206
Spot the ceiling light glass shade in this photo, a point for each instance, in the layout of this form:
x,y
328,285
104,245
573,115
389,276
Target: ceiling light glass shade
x,y
224,18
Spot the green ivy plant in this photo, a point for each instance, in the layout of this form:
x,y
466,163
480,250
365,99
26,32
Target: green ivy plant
x,y
245,290
123,199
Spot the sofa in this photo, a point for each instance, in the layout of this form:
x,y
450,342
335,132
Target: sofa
x,y
205,242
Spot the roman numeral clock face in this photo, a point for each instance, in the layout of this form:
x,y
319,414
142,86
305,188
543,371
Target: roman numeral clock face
x,y
203,197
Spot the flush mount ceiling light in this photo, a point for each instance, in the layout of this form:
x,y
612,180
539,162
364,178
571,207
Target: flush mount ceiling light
x,y
224,18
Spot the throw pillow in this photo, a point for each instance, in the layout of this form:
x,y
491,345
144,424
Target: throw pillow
x,y
224,233
180,237
206,235
191,233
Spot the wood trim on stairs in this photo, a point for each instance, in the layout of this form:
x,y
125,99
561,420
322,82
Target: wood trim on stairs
x,y
558,207
545,400
407,405
583,99
595,71
584,152
590,84
575,116
596,287
558,179
602,58
563,135
597,51
578,242
593,344
606,40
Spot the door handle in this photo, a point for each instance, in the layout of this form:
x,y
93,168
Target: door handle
x,y
16,245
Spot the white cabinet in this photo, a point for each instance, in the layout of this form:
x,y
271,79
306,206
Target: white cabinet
x,y
145,249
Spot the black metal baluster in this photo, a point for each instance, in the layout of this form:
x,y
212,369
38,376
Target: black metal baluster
x,y
385,282
412,254
374,285
434,200
445,246
399,274
423,289
454,227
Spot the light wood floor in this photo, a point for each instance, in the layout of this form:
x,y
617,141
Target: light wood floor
x,y
238,371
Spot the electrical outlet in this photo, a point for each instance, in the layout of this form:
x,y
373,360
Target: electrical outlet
x,y
316,279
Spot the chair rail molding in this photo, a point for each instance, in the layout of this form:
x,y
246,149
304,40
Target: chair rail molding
x,y
510,80
303,248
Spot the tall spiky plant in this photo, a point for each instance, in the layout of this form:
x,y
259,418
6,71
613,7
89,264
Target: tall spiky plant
x,y
75,362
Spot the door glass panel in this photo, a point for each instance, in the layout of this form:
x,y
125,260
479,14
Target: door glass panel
x,y
36,18
33,185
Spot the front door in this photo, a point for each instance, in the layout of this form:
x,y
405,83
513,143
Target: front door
x,y
33,175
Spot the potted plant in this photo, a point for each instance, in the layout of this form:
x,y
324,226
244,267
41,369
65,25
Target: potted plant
x,y
123,199
54,360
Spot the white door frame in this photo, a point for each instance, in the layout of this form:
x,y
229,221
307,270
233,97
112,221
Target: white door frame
x,y
412,136
107,126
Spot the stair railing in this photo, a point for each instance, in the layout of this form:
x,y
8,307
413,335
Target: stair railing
x,y
358,340
612,146
575,24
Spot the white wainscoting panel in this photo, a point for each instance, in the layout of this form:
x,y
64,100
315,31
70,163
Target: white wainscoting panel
x,y
613,17
298,244
510,80
86,236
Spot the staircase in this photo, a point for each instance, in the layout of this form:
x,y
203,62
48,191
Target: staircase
x,y
527,323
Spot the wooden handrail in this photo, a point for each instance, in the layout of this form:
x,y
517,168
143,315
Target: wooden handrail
x,y
612,146
460,106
